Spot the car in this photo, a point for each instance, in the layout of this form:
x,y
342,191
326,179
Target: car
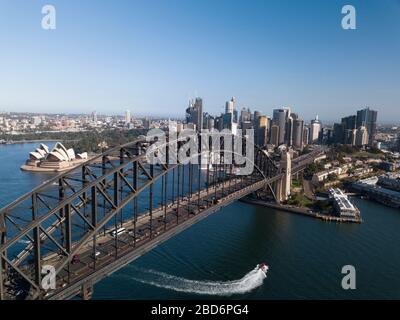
x,y
75,259
96,254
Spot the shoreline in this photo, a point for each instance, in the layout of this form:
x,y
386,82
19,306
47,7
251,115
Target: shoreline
x,y
300,211
28,141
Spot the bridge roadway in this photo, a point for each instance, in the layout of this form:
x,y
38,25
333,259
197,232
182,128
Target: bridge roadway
x,y
167,222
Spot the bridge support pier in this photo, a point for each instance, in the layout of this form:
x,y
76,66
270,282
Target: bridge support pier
x,y
87,291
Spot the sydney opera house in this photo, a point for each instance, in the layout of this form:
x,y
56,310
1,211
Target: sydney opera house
x,y
58,159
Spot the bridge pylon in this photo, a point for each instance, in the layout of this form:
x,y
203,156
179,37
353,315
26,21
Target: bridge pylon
x,y
282,187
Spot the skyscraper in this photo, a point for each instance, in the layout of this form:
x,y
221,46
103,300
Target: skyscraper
x,y
338,134
349,123
274,137
230,105
298,129
362,136
261,130
127,117
315,130
279,118
367,118
245,115
306,135
194,113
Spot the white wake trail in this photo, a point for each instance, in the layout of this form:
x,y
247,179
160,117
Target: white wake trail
x,y
249,282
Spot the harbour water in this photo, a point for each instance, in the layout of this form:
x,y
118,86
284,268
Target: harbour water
x,y
216,257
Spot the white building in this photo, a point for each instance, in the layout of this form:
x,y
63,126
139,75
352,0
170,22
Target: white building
x,y
127,117
342,203
315,130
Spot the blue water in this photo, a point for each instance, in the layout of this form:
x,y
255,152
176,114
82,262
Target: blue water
x,y
216,257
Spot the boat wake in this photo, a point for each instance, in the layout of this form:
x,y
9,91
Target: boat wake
x,y
249,282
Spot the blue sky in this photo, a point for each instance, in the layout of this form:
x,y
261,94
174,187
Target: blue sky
x,y
151,56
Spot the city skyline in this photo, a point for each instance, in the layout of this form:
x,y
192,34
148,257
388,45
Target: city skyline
x,y
151,58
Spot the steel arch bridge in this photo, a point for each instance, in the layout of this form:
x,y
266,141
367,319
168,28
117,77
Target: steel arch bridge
x,y
88,222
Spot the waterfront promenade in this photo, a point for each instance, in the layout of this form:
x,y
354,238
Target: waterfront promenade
x,y
301,211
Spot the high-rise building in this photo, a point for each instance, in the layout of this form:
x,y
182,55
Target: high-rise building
x,y
127,117
338,134
227,121
219,123
306,135
315,129
298,129
255,116
261,130
245,115
279,118
208,121
350,136
289,129
194,113
362,136
349,123
367,118
274,136
235,116
229,106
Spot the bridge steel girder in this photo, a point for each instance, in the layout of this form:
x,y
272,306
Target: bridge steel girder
x,y
72,212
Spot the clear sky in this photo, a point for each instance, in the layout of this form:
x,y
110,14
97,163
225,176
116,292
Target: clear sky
x,y
150,56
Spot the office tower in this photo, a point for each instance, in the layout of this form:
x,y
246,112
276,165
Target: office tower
x,y
245,119
306,135
367,118
298,129
353,136
245,115
289,129
338,134
280,117
235,116
350,137
127,117
274,137
227,121
208,121
255,116
262,127
315,130
362,136
194,113
349,123
229,106
94,116
219,123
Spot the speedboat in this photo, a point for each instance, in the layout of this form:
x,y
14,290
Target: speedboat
x,y
263,267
